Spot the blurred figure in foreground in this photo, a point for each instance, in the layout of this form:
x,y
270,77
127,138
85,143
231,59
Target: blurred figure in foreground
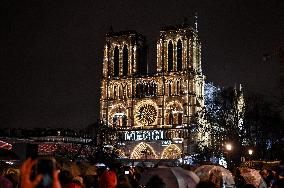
x,y
27,172
156,182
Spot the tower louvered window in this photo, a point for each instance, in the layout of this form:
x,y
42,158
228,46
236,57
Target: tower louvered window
x,y
116,62
179,56
125,60
170,56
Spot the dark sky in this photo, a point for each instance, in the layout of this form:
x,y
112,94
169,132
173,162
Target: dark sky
x,y
51,51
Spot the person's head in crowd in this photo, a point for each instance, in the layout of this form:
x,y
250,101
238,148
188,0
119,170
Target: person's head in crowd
x,y
137,176
91,181
78,180
108,179
14,178
237,172
134,179
156,182
280,170
5,182
249,186
122,179
205,184
123,185
279,180
123,182
218,181
3,168
71,185
65,177
100,171
264,173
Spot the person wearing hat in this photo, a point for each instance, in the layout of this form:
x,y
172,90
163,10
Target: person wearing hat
x,y
108,179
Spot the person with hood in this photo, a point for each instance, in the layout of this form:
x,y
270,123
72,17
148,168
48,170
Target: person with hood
x,y
108,179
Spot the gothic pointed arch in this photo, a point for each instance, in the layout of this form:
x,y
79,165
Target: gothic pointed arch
x,y
174,113
170,88
116,62
170,56
171,152
143,151
178,87
115,91
125,60
179,55
110,91
117,116
120,153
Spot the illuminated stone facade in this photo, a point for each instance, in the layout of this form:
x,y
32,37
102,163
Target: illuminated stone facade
x,y
151,110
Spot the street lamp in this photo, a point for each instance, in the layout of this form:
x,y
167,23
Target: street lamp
x,y
229,148
250,152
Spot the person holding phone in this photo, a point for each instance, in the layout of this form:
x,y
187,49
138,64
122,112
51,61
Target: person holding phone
x,y
31,168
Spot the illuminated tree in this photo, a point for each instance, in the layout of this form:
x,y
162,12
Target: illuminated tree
x,y
253,124
223,118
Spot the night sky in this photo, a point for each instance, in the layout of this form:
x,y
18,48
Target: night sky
x,y
51,51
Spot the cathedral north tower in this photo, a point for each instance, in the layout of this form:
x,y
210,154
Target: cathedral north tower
x,y
178,50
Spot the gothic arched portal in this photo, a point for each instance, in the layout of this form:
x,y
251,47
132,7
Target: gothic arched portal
x,y
171,152
174,113
117,116
143,151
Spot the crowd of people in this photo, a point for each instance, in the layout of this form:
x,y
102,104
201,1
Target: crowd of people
x,y
269,178
115,177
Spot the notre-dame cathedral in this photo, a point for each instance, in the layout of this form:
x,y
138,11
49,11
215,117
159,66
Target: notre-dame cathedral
x,y
153,112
